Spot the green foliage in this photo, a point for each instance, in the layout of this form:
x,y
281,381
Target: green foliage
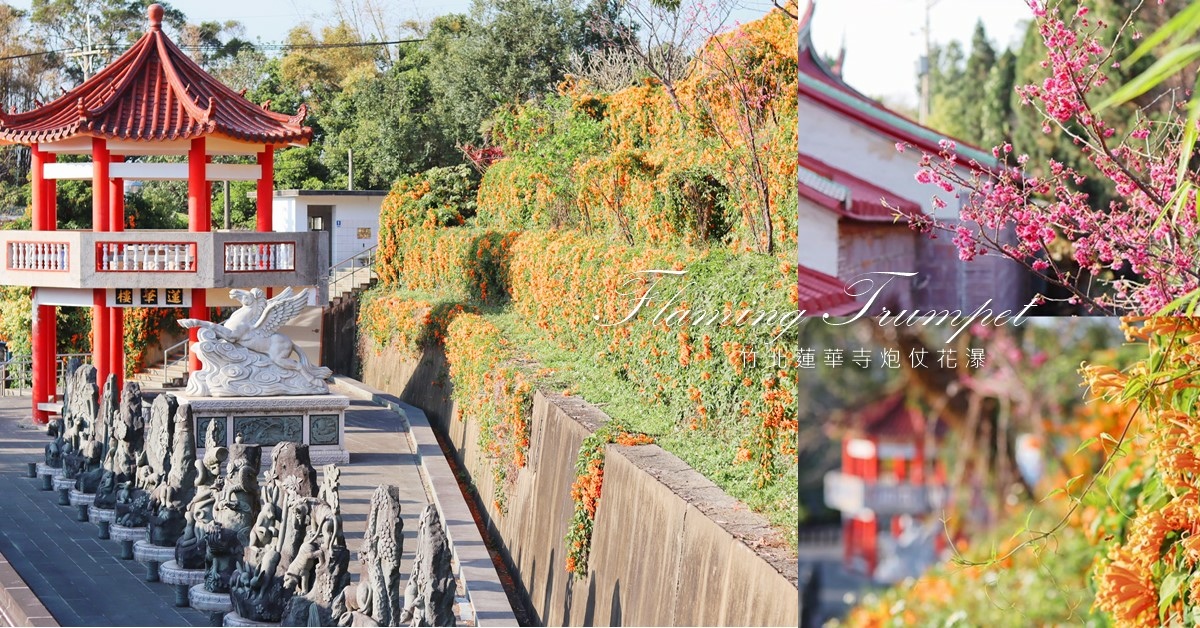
x,y
390,123
698,204
537,185
504,53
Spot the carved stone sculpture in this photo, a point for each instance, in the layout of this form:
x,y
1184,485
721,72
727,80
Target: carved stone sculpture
x,y
429,596
169,500
54,451
234,514
297,560
94,452
125,445
319,571
154,461
377,600
79,412
246,356
191,549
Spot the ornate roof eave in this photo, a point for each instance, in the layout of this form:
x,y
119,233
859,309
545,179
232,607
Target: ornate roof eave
x,y
152,93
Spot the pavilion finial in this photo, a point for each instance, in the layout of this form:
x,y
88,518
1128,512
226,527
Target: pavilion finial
x,y
155,13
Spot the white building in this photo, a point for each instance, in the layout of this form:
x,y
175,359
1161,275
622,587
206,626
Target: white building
x,y
349,217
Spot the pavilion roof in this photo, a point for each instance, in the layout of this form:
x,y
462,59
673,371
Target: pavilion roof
x,y
154,93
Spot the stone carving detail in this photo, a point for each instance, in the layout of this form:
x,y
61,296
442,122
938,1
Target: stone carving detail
x,y
323,429
79,413
125,445
192,547
54,451
269,430
429,596
101,440
377,601
169,500
218,424
296,562
233,514
247,357
154,461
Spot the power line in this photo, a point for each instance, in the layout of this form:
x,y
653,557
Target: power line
x,y
206,47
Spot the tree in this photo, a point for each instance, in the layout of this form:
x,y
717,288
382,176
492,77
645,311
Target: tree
x,y
106,27
390,123
504,53
655,39
996,114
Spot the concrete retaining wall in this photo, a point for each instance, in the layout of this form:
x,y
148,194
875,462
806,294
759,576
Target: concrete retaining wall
x,y
669,548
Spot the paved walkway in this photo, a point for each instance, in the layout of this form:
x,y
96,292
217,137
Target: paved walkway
x,y
81,580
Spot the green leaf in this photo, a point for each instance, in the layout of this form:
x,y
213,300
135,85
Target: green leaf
x,y
1168,65
1182,26
1085,444
1169,591
1188,144
1179,303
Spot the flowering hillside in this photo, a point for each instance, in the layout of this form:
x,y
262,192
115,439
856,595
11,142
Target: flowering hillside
x,y
526,283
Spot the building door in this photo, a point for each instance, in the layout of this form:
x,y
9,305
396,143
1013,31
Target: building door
x,y
320,218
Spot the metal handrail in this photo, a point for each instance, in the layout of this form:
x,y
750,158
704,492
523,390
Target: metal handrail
x,y
16,374
368,254
166,357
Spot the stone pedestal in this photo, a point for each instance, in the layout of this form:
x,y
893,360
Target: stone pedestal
x,y
103,518
33,469
127,537
182,579
48,474
152,556
318,421
81,500
215,604
63,487
233,619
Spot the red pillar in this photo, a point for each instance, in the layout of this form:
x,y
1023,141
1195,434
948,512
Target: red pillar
x,y
102,342
871,527
49,331
37,188
266,189
199,220
116,315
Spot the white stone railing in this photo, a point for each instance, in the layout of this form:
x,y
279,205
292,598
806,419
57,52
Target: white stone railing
x,y
162,259
51,256
242,257
179,257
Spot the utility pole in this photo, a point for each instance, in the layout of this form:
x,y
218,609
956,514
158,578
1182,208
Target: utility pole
x,y
85,56
925,68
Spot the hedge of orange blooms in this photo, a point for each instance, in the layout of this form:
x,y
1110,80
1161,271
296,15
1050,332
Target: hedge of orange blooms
x,y
490,390
143,327
461,262
586,489
566,283
1148,531
627,148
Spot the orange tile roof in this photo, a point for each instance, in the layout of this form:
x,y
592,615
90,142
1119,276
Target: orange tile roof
x,y
153,92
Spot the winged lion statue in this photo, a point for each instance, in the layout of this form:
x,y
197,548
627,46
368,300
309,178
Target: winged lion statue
x,y
247,356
